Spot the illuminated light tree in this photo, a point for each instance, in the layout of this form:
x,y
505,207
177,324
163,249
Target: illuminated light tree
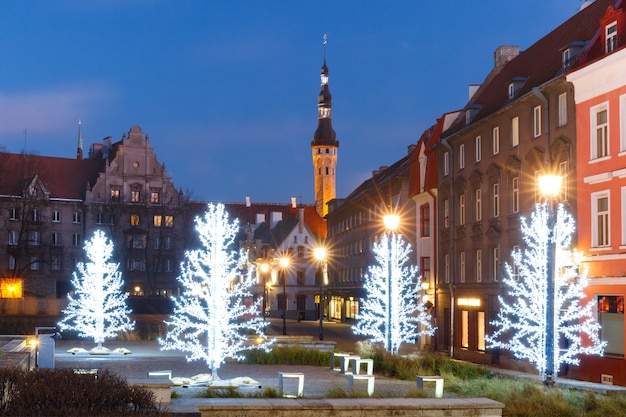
x,y
522,321
211,320
97,308
391,312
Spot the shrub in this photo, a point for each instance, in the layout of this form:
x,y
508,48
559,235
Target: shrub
x,y
288,355
61,392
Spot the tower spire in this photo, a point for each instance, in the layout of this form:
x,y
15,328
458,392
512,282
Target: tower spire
x,y
79,148
324,145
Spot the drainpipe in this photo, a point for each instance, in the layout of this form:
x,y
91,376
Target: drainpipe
x,y
452,245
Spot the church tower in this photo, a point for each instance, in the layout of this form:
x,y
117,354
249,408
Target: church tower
x,y
324,147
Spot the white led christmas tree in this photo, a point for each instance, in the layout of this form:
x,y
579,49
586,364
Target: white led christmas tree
x,y
522,324
391,314
211,321
97,308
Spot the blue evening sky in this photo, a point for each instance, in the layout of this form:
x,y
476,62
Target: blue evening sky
x,y
227,90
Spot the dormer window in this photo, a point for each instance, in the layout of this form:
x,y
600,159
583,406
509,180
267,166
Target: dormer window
x,y
511,90
611,37
515,85
567,54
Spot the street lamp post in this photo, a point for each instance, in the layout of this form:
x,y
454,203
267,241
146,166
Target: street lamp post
x,y
320,255
284,264
550,186
391,222
265,267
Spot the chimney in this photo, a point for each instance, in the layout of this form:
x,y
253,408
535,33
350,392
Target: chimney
x,y
301,219
504,54
275,217
472,90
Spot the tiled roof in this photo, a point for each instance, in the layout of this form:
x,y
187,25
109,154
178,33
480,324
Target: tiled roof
x,y
63,177
538,64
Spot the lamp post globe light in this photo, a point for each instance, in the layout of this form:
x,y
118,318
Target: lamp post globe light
x,y
391,221
322,274
550,186
283,263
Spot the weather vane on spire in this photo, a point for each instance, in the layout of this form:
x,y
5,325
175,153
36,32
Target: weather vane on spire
x,y
325,37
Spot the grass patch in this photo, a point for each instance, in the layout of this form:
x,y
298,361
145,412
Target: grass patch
x,y
287,355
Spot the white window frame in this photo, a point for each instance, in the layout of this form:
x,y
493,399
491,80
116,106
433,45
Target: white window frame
x,y
35,237
610,32
462,266
537,121
13,238
563,172
462,156
599,132
465,329
77,217
76,239
479,265
495,140
600,220
56,216
565,57
446,163
495,259
515,195
34,263
515,131
478,148
462,209
55,265
622,123
57,239
496,199
562,110
623,212
478,216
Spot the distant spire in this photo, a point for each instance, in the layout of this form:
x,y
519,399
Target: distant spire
x,y
79,149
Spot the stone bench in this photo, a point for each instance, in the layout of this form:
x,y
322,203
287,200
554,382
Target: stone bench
x,y
344,363
333,356
438,380
356,366
298,375
166,373
370,382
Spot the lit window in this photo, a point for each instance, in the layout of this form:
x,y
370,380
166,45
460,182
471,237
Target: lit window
x,y
115,195
157,220
169,221
515,131
134,219
599,132
425,220
135,196
495,140
481,331
155,197
465,329
537,121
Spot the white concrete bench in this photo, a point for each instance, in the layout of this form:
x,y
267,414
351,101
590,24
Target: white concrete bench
x,y
370,382
438,380
160,374
344,363
356,366
333,356
162,389
283,375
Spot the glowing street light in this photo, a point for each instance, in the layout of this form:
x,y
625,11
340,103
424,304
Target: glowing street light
x,y
550,186
283,262
391,221
322,273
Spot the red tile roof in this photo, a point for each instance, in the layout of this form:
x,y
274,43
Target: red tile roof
x,y
64,178
540,63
